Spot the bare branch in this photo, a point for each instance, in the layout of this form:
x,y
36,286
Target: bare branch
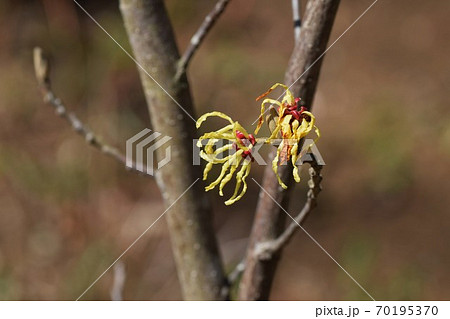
x,y
199,36
42,67
265,250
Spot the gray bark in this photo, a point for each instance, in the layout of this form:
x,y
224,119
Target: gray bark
x,y
194,244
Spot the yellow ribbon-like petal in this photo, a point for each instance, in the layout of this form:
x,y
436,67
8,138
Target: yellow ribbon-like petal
x,y
206,115
263,110
240,179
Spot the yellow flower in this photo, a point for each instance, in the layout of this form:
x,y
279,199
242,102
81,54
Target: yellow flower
x,y
230,156
293,123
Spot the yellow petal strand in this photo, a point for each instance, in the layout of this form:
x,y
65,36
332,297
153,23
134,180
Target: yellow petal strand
x,y
210,158
244,187
239,127
286,126
210,155
206,170
273,87
294,151
217,181
288,98
223,149
317,133
206,115
305,149
275,165
304,129
261,120
318,136
228,177
240,178
295,125
215,135
313,118
226,129
238,181
225,167
294,158
274,134
209,147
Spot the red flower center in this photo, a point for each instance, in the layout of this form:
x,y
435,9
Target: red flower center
x,y
295,110
247,141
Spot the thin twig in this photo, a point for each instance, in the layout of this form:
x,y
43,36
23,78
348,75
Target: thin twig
x,y
199,36
232,278
118,281
266,250
296,15
42,71
236,272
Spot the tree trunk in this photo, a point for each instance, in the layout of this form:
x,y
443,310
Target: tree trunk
x,y
189,220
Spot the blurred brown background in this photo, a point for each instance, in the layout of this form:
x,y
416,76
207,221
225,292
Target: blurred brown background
x,y
67,212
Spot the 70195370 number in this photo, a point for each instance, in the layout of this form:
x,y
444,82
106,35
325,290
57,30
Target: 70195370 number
x,y
407,310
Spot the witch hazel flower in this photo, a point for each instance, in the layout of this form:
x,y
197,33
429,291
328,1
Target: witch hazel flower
x,y
293,122
238,151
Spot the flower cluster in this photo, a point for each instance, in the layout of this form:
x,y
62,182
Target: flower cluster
x,y
230,156
291,122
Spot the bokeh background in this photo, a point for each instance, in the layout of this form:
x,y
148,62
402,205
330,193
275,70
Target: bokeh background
x,y
66,211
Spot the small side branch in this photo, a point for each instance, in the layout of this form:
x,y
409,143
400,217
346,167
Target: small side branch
x,y
266,250
232,278
42,71
296,16
119,278
237,271
199,36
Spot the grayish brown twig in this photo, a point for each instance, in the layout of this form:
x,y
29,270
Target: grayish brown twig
x,y
42,72
296,16
119,277
199,36
236,272
232,278
265,250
